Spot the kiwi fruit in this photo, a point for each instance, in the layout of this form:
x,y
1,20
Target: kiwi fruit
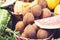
x,y
19,26
26,11
42,3
28,18
35,26
24,34
41,34
46,13
36,10
29,32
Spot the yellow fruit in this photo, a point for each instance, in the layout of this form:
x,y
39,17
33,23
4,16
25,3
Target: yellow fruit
x,y
52,3
57,10
20,6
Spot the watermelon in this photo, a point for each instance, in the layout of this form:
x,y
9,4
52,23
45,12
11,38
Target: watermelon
x,y
49,23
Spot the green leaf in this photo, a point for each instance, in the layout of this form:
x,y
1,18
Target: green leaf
x,y
55,39
17,33
5,32
1,3
9,30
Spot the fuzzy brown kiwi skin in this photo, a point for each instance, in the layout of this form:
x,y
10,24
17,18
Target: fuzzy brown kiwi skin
x,y
19,26
36,10
24,34
29,32
35,26
42,3
46,13
28,18
41,34
27,10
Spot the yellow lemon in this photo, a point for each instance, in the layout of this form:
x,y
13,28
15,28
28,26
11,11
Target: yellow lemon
x,y
52,3
57,10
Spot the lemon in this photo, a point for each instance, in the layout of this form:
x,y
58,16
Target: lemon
x,y
52,3
57,10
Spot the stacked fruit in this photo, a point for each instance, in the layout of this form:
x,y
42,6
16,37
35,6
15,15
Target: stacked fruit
x,y
37,9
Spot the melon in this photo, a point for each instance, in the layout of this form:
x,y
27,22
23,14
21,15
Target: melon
x,y
49,23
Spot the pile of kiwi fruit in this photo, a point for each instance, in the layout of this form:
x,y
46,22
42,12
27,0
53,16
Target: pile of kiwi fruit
x,y
27,27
